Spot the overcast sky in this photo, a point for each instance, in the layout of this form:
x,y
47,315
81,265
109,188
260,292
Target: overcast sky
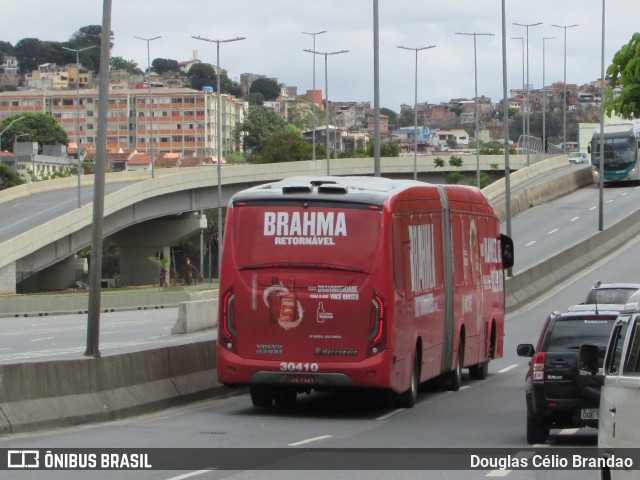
x,y
274,41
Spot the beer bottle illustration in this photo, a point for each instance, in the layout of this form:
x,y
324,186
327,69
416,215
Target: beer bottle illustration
x,y
289,304
274,299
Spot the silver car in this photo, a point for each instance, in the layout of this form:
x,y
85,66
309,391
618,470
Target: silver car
x,y
578,157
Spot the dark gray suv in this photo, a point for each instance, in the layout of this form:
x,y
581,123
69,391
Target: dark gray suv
x,y
556,396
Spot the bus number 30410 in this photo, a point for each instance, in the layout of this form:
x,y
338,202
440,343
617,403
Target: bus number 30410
x,y
298,367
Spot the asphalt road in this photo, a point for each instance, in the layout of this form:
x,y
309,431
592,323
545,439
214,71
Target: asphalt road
x,y
484,413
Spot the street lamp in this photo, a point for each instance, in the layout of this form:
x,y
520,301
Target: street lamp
x,y
78,109
601,162
8,127
564,101
544,97
415,110
527,107
326,100
149,40
524,125
475,103
313,102
505,121
219,131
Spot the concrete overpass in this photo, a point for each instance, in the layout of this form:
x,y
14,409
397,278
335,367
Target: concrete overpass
x,y
145,215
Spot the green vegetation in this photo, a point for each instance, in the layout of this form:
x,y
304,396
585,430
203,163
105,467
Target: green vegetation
x,y
8,178
625,72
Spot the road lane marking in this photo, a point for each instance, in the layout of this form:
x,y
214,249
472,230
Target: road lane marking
x,y
498,473
506,369
530,243
189,475
41,339
574,219
592,208
391,414
309,440
553,231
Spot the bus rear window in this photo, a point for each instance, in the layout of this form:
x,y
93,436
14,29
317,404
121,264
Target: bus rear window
x,y
289,235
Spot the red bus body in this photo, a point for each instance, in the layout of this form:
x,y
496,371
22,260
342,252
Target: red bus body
x,y
358,282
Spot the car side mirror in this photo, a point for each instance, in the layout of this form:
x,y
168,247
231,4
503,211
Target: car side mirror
x,y
526,350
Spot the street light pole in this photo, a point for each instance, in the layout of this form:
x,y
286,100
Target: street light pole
x,y
564,101
326,100
149,40
527,107
219,133
415,109
475,102
313,100
78,110
544,97
601,162
7,128
505,121
524,124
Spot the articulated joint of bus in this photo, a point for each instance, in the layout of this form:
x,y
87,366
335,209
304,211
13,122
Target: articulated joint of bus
x,y
378,325
228,321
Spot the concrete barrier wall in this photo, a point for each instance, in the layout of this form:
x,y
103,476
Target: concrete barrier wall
x,y
69,392
541,278
196,316
39,305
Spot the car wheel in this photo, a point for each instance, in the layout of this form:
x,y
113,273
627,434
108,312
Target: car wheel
x,y
537,432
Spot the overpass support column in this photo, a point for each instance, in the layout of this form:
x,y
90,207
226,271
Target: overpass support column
x,y
141,243
8,278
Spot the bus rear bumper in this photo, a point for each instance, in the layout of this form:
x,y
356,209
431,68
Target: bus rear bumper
x,y
234,370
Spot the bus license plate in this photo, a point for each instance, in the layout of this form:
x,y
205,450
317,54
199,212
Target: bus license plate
x,y
589,414
301,379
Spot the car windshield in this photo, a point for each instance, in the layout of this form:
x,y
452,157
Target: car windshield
x,y
609,295
569,334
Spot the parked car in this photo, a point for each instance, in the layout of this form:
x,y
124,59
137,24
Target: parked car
x,y
619,378
578,157
555,396
611,293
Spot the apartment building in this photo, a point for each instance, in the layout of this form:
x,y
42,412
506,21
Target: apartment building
x,y
176,120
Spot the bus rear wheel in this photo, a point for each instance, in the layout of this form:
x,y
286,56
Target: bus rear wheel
x,y
285,398
408,399
261,395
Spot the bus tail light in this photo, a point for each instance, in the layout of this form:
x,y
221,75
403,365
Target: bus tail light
x,y
537,370
378,325
228,320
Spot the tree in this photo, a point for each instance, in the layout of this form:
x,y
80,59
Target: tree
x,y
8,178
130,66
91,35
406,118
268,87
37,127
259,124
163,65
286,145
204,75
391,115
625,71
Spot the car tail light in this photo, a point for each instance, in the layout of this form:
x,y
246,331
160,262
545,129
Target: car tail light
x,y
228,320
378,325
537,367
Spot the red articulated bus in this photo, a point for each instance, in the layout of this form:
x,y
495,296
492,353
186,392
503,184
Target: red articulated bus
x,y
338,282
